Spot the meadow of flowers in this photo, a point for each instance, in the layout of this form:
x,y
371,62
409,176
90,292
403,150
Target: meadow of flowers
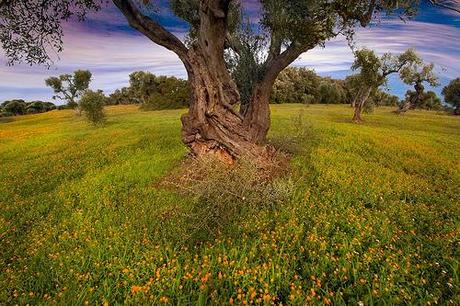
x,y
373,217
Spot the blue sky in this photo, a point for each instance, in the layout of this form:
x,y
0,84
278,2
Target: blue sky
x,y
107,46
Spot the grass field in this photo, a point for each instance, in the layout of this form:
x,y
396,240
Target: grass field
x,y
373,218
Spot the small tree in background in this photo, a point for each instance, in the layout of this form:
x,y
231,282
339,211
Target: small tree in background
x,y
416,74
451,95
92,104
69,87
427,100
374,72
124,95
15,107
296,85
331,92
143,85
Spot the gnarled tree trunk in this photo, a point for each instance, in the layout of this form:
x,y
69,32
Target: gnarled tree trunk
x,y
212,124
413,101
359,102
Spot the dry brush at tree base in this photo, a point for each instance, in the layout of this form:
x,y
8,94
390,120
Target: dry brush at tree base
x,y
366,214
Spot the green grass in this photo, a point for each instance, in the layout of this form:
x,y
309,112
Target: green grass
x,y
374,217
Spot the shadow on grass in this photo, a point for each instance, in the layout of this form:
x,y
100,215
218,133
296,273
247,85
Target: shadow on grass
x,y
6,120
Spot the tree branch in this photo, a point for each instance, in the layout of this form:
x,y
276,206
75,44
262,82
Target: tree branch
x,y
234,44
444,5
151,29
275,47
280,62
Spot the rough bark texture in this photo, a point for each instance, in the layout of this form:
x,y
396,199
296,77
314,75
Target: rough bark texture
x,y
359,102
213,125
413,101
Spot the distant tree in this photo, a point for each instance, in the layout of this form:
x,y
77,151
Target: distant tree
x,y
374,72
35,107
70,87
352,86
15,107
169,93
152,92
92,104
123,95
296,85
416,74
426,100
143,85
331,92
451,95
382,98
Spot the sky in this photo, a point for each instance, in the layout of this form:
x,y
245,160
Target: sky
x,y
111,50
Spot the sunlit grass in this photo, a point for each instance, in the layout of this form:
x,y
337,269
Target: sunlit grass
x,y
374,217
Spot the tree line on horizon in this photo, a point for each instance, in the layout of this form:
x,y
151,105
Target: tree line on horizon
x,y
293,85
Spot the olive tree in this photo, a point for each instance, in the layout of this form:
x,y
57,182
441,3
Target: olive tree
x,y
70,87
451,95
143,84
213,124
374,72
92,104
416,75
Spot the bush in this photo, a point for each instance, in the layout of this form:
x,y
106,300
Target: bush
x,y
92,104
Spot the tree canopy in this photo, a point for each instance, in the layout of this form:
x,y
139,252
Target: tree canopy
x,y
373,72
69,87
451,94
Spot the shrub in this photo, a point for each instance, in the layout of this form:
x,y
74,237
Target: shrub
x,y
293,142
92,104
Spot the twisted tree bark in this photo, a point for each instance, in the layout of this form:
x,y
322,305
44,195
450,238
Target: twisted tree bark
x,y
412,102
359,103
